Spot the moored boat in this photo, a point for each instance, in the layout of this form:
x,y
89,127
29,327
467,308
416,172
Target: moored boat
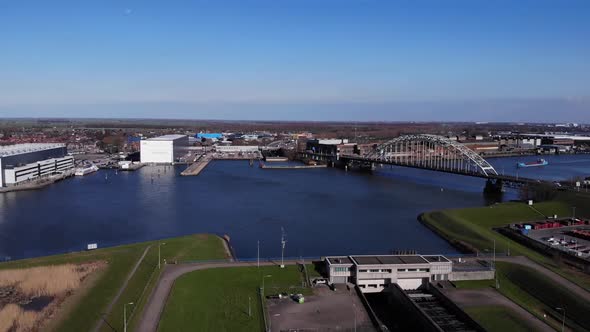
x,y
540,162
86,171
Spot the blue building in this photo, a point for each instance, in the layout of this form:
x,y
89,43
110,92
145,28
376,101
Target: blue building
x,y
211,136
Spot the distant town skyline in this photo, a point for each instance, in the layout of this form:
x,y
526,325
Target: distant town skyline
x,y
522,61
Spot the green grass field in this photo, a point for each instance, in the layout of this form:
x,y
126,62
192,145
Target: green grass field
x,y
537,294
520,284
474,227
541,295
217,299
498,319
121,259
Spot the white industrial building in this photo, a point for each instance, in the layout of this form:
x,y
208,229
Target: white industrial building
x,y
237,148
20,163
165,149
374,274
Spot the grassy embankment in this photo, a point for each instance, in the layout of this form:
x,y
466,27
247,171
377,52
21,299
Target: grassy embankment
x,y
217,299
473,228
535,293
81,311
498,319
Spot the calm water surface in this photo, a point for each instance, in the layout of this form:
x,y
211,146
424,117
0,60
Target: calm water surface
x,y
323,211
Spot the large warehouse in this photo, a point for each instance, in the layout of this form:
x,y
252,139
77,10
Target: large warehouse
x,y
24,162
165,149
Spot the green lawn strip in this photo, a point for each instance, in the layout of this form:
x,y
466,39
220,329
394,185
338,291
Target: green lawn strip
x,y
474,284
133,321
474,226
312,272
186,248
133,291
498,319
193,248
539,295
121,260
217,299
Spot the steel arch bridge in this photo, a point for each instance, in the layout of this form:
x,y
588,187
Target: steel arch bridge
x,y
430,152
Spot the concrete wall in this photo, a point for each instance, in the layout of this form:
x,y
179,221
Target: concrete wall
x,y
472,275
455,310
420,321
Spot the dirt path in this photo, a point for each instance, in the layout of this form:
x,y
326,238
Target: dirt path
x,y
155,305
489,297
228,250
521,260
107,311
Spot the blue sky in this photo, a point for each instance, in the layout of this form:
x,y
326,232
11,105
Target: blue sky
x,y
297,59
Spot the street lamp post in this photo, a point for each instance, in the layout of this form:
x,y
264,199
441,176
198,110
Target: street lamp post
x,y
573,211
354,312
125,316
563,318
159,255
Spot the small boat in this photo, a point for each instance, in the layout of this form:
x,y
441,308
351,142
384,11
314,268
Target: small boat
x,y
86,171
540,162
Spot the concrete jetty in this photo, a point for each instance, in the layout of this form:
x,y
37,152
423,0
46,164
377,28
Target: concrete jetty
x,y
197,166
292,166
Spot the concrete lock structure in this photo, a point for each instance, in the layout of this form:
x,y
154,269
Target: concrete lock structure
x,y
374,274
165,149
24,162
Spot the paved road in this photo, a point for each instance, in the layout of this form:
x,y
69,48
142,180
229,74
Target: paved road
x,y
107,311
521,260
489,297
155,305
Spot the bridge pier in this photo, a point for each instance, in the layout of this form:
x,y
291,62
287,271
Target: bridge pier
x,y
494,186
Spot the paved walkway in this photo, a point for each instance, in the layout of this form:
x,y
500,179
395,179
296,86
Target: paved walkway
x,y
107,311
155,305
490,297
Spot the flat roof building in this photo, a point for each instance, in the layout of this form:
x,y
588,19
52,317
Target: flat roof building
x,y
20,163
165,149
375,273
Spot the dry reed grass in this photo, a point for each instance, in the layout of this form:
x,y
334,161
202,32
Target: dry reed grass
x,y
57,281
46,280
14,317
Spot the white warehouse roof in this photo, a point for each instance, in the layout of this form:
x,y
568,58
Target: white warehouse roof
x,y
16,149
166,138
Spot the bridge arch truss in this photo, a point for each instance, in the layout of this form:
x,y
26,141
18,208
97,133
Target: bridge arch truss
x,y
431,152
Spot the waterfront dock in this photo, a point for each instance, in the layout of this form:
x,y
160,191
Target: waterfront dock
x,y
291,166
197,166
38,183
276,159
131,167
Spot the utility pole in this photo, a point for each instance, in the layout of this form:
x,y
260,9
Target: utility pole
x,y
563,318
125,316
258,254
159,255
573,211
283,242
496,270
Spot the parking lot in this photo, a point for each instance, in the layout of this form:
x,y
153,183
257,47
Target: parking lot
x,y
323,311
563,241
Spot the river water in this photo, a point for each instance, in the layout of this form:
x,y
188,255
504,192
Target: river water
x,y
323,211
